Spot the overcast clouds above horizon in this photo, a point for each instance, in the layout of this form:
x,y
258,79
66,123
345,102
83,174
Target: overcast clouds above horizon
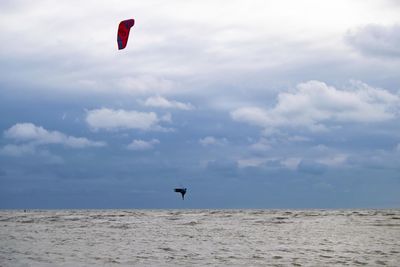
x,y
263,104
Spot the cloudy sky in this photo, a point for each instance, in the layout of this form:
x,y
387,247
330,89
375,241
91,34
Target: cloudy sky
x,y
248,104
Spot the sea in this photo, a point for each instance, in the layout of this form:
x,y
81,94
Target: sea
x,y
200,237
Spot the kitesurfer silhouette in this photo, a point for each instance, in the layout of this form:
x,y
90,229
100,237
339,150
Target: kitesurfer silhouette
x,y
182,191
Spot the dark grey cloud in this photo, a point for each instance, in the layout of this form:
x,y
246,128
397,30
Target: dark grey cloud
x,y
376,40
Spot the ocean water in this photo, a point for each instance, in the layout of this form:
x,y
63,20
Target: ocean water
x,y
200,238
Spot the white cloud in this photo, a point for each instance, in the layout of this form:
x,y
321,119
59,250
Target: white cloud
x,y
79,142
251,162
161,102
291,163
111,119
142,145
315,105
262,145
29,150
37,135
17,150
252,115
166,117
334,160
296,162
209,38
273,137
269,162
144,84
320,148
298,138
211,140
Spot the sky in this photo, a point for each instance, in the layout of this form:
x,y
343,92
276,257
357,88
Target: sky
x,y
255,104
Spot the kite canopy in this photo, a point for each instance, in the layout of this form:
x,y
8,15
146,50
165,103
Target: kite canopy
x,y
182,191
123,32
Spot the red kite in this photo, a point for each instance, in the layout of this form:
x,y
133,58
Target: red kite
x,y
123,32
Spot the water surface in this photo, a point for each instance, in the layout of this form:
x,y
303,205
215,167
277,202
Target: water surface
x,y
200,238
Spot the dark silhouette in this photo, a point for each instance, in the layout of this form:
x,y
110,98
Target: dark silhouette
x,y
182,191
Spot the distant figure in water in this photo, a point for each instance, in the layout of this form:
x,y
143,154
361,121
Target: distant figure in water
x,y
182,191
